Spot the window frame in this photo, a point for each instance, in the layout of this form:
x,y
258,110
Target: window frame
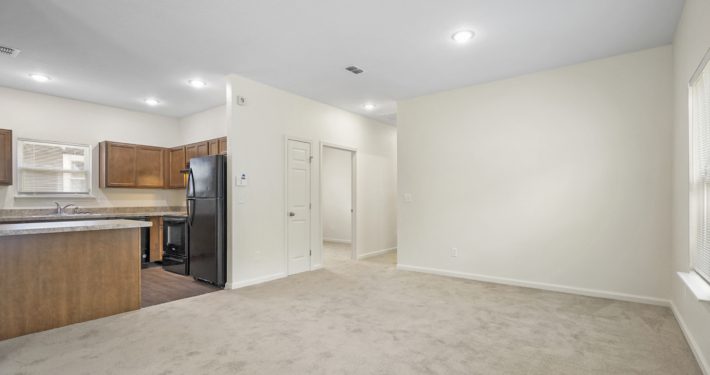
x,y
698,197
88,170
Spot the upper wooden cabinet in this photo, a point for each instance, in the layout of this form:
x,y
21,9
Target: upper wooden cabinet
x,y
195,150
218,146
5,157
131,166
117,164
176,162
150,167
223,145
125,165
214,147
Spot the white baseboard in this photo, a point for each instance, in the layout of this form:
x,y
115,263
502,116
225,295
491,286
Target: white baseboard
x,y
702,361
254,281
336,240
376,253
537,285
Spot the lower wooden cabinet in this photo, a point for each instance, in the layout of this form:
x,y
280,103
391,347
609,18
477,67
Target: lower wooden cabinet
x,y
156,239
5,157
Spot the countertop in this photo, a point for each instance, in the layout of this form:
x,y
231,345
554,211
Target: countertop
x,y
69,226
89,216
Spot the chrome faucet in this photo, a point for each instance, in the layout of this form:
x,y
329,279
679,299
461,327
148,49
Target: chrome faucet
x,y
62,210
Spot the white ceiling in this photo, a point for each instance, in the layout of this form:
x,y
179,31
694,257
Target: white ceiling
x,y
118,52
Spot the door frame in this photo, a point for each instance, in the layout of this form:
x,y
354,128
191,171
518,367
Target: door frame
x,y
285,211
353,194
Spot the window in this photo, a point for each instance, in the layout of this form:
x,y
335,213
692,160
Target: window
x,y
699,95
50,168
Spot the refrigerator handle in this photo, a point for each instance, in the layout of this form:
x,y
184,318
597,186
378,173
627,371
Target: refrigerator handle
x,y
190,211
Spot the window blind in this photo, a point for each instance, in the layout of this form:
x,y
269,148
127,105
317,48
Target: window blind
x,y
53,168
700,122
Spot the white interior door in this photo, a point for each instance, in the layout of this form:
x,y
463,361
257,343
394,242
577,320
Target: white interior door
x,y
299,206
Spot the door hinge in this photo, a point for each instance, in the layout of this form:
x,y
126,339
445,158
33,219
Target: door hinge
x,y
310,205
310,159
310,252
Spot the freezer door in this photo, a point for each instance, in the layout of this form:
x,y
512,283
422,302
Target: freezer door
x,y
207,178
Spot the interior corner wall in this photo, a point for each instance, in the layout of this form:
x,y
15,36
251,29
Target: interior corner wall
x,y
337,198
559,180
256,133
51,118
204,125
692,41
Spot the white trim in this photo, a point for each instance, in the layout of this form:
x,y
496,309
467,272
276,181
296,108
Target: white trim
x,y
696,284
336,240
255,281
376,253
353,195
702,361
538,285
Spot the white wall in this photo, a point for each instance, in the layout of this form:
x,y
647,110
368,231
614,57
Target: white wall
x,y
45,117
204,125
692,40
256,146
559,179
336,195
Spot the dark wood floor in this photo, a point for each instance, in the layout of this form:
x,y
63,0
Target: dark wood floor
x,y
158,286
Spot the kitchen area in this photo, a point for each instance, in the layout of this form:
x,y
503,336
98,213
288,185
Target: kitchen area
x,y
70,263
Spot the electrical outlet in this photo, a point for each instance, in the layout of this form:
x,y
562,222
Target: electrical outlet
x,y
454,252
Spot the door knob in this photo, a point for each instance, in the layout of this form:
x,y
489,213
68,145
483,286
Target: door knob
x,y
291,214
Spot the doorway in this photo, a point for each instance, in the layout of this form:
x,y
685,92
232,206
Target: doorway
x,y
338,193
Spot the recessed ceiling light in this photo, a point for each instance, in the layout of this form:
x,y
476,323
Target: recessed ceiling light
x,y
152,102
40,77
197,83
369,106
463,36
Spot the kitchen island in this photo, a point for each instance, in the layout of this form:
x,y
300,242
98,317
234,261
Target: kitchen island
x,y
57,273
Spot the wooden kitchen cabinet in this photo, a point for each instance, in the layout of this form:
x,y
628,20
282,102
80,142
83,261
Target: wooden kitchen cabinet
x,y
5,157
127,165
195,150
222,146
156,239
176,162
150,167
213,147
117,164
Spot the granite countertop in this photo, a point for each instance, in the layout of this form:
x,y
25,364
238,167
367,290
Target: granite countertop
x,y
69,226
32,215
65,217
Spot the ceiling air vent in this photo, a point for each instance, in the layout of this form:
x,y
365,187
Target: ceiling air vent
x,y
9,51
354,69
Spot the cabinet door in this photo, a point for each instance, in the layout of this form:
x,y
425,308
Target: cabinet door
x,y
5,157
176,162
149,168
196,150
214,147
223,146
119,165
156,239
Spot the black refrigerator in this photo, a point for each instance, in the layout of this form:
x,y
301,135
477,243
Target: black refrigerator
x,y
207,218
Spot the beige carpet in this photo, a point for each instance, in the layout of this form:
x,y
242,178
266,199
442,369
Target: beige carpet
x,y
365,318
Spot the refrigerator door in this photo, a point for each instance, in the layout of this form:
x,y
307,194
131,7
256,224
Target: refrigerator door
x,y
208,240
206,178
